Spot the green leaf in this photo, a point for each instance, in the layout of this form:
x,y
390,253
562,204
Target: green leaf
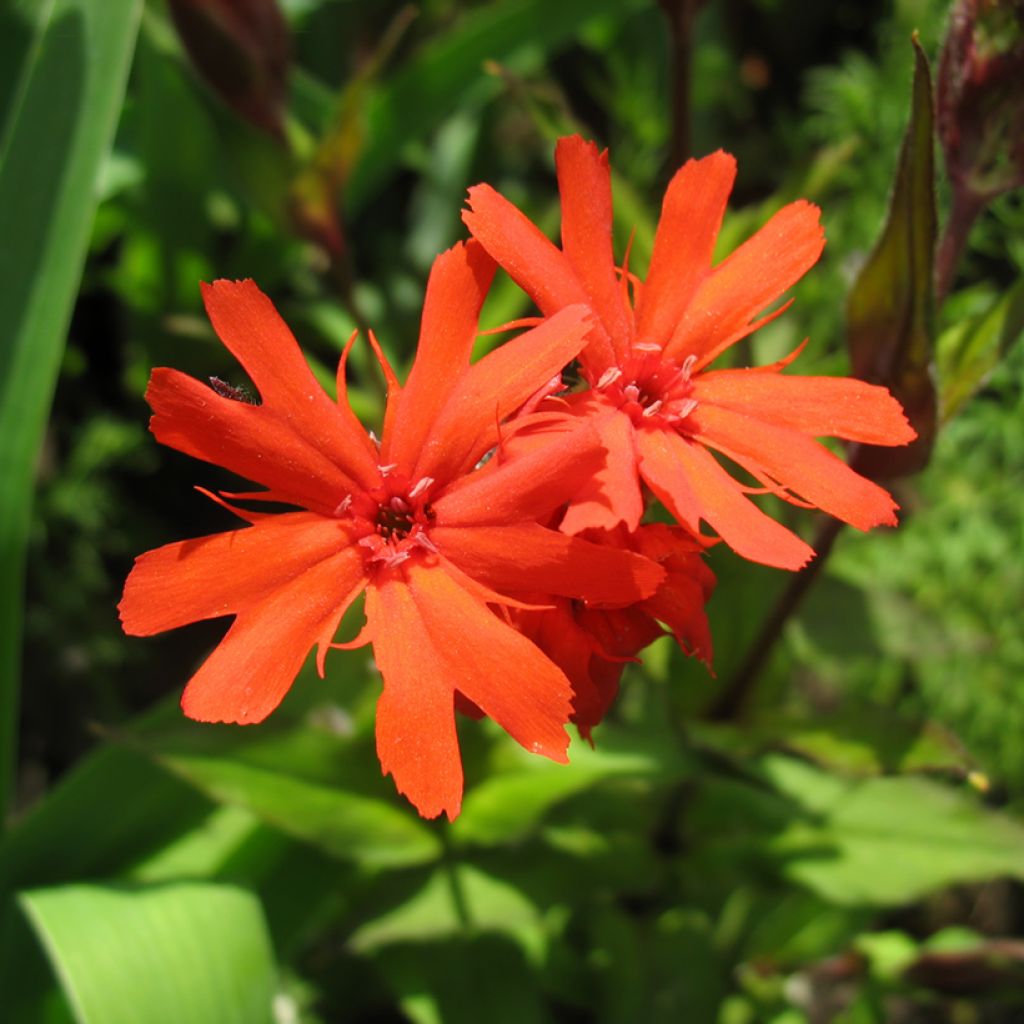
x,y
179,952
58,132
890,310
888,840
505,808
969,351
344,824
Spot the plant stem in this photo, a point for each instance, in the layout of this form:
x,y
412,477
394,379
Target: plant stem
x,y
681,15
732,702
964,212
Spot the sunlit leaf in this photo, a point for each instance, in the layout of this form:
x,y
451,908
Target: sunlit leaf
x,y
888,840
186,951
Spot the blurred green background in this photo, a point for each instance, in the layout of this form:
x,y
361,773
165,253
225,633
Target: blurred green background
x,y
848,849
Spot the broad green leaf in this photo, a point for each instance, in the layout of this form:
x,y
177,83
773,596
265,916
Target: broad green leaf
x,y
888,840
506,807
345,824
57,135
449,69
186,951
456,897
969,351
890,311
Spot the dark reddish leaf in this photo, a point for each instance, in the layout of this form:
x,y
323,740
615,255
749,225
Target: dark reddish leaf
x,y
890,312
242,50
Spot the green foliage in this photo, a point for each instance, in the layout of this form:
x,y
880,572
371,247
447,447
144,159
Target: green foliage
x,y
817,861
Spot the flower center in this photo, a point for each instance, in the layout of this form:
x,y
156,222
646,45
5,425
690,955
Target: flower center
x,y
394,518
650,390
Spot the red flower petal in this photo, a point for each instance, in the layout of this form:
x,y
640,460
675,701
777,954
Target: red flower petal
x,y
584,183
799,463
525,488
456,289
821,406
611,495
531,559
539,267
253,331
253,667
691,215
494,388
432,638
226,573
756,274
693,486
252,441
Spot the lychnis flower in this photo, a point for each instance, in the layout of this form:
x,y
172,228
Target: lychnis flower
x,y
659,408
436,541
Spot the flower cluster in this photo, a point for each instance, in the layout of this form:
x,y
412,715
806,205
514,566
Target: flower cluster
x,y
496,529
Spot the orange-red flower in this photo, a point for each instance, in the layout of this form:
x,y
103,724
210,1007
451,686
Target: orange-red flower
x,y
592,645
434,542
660,411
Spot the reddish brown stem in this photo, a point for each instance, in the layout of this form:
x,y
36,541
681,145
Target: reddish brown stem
x,y
964,212
681,15
732,701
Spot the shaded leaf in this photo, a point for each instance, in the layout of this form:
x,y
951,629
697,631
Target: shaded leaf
x,y
891,305
178,952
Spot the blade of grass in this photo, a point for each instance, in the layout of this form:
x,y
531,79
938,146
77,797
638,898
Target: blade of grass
x,y
58,132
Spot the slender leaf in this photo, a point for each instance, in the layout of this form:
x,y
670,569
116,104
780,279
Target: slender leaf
x,y
168,953
970,351
890,311
58,133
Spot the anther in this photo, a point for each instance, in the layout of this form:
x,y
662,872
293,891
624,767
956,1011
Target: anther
x,y
686,408
384,470
344,505
421,485
647,346
652,409
610,376
688,364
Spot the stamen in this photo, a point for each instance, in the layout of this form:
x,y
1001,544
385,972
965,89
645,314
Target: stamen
x,y
688,364
652,409
686,408
344,505
375,439
396,557
423,541
384,470
421,485
647,346
610,376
